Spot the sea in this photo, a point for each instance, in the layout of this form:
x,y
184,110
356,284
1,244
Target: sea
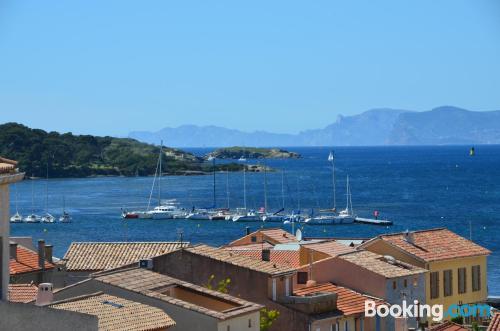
x,y
421,187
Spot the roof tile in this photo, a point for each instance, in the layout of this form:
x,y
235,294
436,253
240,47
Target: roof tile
x,y
96,256
26,261
116,313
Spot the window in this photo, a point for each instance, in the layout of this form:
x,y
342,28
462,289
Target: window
x,y
476,278
346,326
405,283
228,328
415,281
361,324
434,285
253,239
462,280
448,283
249,322
394,285
301,277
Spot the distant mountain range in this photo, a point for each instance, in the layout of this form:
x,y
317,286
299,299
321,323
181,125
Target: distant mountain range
x,y
440,126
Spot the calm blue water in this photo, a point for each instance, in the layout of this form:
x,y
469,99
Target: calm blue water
x,y
416,187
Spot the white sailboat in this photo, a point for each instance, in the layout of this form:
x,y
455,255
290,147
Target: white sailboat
x,y
32,218
243,214
345,216
16,218
276,216
65,216
331,217
47,218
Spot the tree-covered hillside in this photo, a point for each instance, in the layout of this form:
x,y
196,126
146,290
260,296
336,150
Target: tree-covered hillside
x,y
71,155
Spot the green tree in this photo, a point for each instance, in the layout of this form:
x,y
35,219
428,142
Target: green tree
x,y
222,286
267,318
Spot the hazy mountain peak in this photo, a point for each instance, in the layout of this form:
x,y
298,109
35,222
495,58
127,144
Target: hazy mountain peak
x,y
379,126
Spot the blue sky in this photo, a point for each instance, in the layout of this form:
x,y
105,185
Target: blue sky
x,y
110,67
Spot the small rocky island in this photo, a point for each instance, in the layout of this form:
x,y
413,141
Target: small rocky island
x,y
252,153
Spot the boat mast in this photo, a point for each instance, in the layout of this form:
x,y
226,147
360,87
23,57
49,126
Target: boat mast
x,y
331,158
283,189
265,187
227,187
17,198
159,173
47,189
245,186
213,171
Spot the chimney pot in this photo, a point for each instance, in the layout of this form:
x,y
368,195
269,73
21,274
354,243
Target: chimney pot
x,y
13,250
266,255
48,253
45,295
41,254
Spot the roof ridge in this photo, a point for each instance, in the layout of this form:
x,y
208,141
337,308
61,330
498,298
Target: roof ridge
x,y
79,297
129,242
414,231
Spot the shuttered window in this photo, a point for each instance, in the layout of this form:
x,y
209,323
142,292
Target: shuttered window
x,y
448,283
434,285
476,278
462,280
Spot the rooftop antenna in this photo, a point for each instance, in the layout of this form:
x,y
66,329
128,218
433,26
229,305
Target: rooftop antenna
x,y
180,234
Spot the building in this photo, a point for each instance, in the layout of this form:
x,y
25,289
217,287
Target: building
x,y
8,175
271,236
495,322
22,293
114,313
28,266
83,258
192,307
259,280
457,266
350,303
448,326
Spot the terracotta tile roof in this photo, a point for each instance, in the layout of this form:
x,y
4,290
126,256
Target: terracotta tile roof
x,y
448,326
114,313
26,261
284,257
273,236
7,166
435,244
270,268
495,323
250,247
348,301
377,264
331,248
155,285
95,256
22,292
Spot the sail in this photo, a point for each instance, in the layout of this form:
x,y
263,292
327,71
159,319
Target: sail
x,y
330,156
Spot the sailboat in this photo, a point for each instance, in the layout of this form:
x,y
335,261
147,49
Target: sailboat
x,y
16,218
47,218
32,218
65,217
209,213
242,214
345,216
276,216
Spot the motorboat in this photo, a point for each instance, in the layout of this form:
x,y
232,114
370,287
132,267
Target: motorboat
x,y
65,218
16,218
48,218
242,215
32,218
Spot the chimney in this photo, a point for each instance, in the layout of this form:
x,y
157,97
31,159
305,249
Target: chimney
x,y
247,229
266,255
409,237
48,253
41,253
13,250
45,295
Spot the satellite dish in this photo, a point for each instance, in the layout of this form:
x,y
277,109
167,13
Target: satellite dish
x,y
298,235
